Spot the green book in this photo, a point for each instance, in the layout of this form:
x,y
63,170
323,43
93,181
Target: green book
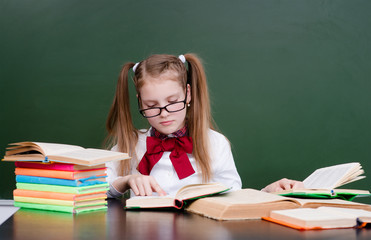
x,y
63,189
185,194
345,194
68,209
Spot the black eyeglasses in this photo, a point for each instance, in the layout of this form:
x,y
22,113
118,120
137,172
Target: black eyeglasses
x,y
155,111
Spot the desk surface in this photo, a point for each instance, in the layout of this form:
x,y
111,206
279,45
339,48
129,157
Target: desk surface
x,y
116,223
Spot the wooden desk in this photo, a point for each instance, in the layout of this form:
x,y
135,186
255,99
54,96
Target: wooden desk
x,y
116,223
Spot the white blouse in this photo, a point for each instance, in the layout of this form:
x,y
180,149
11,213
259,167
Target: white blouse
x,y
222,167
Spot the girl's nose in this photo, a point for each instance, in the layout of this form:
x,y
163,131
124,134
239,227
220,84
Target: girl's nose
x,y
164,113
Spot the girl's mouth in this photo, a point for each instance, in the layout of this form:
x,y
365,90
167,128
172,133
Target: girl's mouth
x,y
166,123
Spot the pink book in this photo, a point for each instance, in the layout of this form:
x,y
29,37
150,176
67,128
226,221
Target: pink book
x,y
57,166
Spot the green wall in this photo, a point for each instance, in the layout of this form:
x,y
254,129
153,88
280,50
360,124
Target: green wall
x,y
289,80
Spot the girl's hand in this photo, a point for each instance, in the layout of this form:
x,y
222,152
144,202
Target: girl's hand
x,y
143,185
283,184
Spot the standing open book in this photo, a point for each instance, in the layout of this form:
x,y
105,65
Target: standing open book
x,y
65,153
189,192
324,183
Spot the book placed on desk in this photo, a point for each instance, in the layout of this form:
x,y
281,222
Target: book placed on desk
x,y
65,153
60,177
186,193
254,204
324,183
320,218
41,186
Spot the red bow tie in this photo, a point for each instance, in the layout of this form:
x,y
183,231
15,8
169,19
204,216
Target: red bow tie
x,y
179,148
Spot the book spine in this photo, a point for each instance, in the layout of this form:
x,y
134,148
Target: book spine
x,y
62,189
44,207
40,194
50,166
45,173
59,196
56,181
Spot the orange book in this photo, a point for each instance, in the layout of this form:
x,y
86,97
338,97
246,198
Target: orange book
x,y
320,218
72,175
59,196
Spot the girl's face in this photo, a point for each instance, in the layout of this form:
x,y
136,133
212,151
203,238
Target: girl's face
x,y
159,92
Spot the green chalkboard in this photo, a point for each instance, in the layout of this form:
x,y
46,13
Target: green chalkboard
x,y
289,80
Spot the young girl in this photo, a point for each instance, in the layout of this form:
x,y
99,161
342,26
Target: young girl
x,y
180,147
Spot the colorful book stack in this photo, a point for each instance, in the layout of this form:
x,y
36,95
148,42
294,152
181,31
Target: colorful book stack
x,y
60,187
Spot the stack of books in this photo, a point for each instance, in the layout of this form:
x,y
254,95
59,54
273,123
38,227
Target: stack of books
x,y
60,177
60,187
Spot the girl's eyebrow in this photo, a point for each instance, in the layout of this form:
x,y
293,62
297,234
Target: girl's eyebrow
x,y
177,95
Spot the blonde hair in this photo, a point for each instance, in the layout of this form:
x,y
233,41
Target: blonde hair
x,y
121,130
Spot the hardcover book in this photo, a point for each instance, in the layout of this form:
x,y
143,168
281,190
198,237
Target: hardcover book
x,y
324,183
186,193
320,218
254,204
65,153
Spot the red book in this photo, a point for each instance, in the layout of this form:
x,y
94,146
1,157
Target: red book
x,y
57,166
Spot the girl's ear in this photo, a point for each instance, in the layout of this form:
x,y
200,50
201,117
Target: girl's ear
x,y
137,95
189,98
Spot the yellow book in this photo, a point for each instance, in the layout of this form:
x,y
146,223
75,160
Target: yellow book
x,y
49,201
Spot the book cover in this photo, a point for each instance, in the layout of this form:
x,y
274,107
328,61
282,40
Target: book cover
x,y
255,204
186,193
320,218
59,196
60,202
68,209
345,194
63,182
57,166
75,174
65,153
63,189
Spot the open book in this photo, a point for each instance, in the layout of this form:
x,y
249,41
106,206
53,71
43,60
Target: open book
x,y
189,192
38,151
254,204
324,183
334,176
320,218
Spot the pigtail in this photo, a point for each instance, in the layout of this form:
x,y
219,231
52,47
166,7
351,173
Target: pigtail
x,y
120,127
199,115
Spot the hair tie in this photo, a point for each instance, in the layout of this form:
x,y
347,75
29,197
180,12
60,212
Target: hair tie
x,y
182,58
135,66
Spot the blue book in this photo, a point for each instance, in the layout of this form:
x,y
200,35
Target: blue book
x,y
64,182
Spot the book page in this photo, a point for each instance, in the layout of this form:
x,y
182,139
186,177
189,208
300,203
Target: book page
x,y
328,177
247,196
348,211
89,156
150,201
197,190
56,148
309,218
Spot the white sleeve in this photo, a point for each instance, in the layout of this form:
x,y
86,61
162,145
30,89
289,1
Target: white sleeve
x,y
112,175
223,165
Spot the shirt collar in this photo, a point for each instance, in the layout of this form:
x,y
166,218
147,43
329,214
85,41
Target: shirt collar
x,y
180,133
